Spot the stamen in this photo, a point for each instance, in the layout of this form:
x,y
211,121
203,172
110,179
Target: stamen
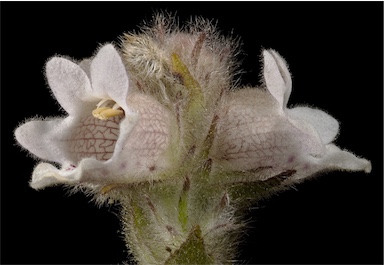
x,y
101,103
106,109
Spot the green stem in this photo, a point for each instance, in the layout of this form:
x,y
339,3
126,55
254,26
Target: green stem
x,y
180,222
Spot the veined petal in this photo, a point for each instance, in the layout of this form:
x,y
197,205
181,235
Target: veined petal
x,y
252,133
69,83
109,77
141,150
308,136
326,126
45,138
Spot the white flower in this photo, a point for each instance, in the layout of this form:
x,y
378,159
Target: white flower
x,y
256,132
110,135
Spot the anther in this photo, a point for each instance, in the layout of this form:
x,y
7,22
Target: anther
x,y
106,109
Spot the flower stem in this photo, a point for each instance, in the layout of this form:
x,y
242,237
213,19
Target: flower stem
x,y
182,223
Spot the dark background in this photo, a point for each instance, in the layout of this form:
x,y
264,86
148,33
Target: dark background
x,y
335,53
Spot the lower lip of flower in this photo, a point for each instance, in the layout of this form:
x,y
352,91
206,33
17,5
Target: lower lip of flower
x,y
93,137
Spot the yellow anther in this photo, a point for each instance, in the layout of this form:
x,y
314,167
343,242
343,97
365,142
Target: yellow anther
x,y
106,113
96,112
106,109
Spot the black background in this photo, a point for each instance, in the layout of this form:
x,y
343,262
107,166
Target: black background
x,y
335,53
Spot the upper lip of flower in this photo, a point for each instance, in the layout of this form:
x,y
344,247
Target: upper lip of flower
x,y
73,88
278,82
320,128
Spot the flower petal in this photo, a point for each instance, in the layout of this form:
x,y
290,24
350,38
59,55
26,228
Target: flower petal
x,y
69,83
109,77
43,138
252,134
45,175
86,66
145,137
277,77
338,159
333,159
326,126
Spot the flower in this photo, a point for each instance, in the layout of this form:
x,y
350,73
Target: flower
x,y
121,141
172,112
256,132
